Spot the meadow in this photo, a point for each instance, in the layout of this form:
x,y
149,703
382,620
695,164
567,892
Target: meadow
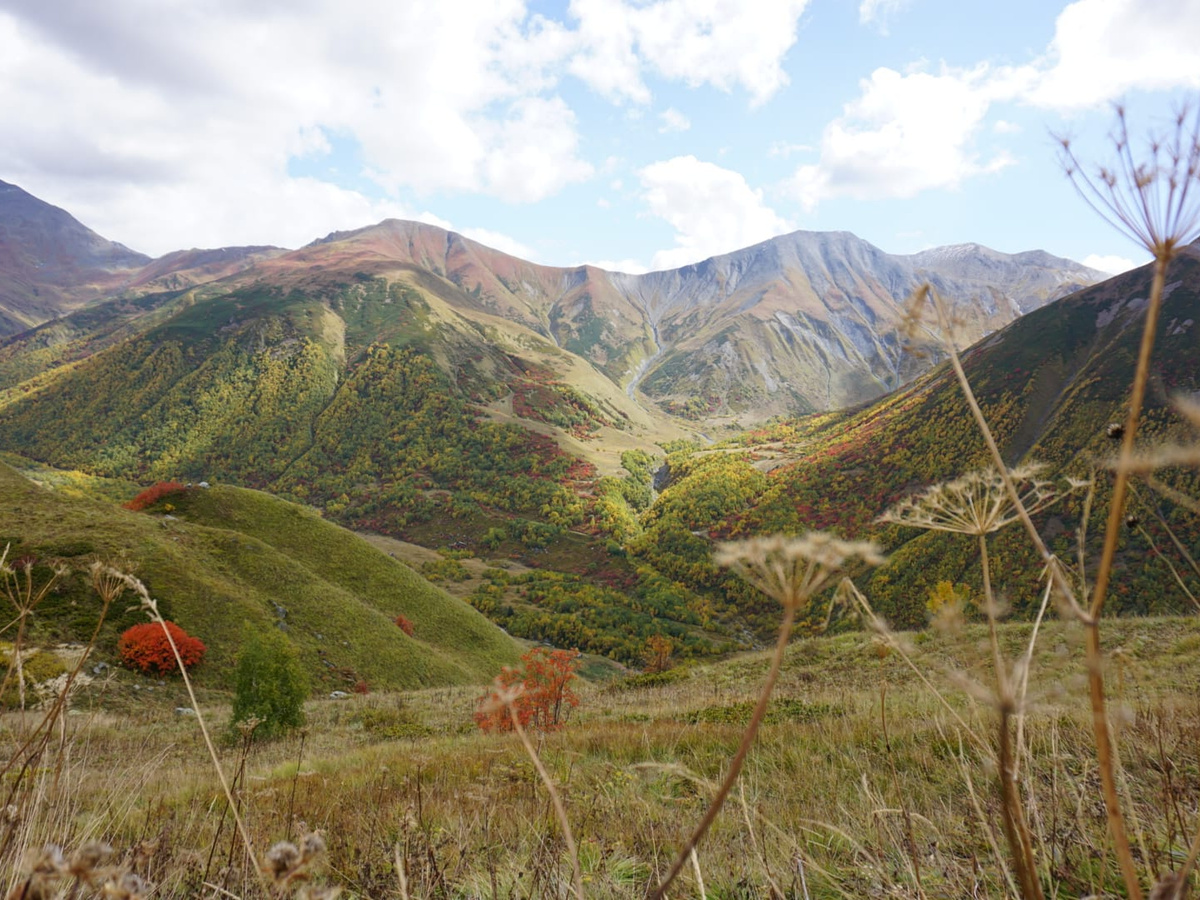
x,y
861,785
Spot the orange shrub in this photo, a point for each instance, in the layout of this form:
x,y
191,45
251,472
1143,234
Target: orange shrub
x,y
146,648
153,494
545,679
405,624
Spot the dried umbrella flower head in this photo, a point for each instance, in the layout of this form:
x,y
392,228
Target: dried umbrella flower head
x,y
793,569
976,503
502,695
1156,202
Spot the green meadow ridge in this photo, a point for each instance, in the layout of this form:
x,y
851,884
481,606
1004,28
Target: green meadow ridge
x,y
232,559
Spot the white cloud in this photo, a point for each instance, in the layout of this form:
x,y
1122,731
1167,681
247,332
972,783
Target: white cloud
x,y
450,97
914,131
713,210
498,241
783,149
1110,263
1105,48
673,120
722,43
535,152
877,12
908,133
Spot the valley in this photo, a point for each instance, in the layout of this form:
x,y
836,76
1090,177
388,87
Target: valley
x,y
411,463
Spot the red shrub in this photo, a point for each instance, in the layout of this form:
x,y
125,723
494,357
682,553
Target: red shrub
x,y
405,624
361,687
153,494
545,680
146,648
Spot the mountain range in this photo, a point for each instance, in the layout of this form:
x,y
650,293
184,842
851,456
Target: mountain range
x,y
410,382
802,322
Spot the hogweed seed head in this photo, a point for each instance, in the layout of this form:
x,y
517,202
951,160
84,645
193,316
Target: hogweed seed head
x,y
285,863
1155,201
793,569
977,503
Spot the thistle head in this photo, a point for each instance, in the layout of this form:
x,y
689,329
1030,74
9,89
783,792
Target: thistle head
x,y
793,569
127,886
286,864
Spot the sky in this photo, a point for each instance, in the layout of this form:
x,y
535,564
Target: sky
x,y
631,134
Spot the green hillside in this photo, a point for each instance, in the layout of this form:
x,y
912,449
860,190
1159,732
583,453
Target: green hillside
x,y
232,559
276,390
1049,385
381,401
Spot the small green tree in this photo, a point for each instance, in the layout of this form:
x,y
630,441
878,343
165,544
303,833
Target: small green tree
x,y
271,685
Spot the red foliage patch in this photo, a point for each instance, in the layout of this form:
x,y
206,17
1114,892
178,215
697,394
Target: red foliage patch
x,y
546,695
146,648
405,624
152,495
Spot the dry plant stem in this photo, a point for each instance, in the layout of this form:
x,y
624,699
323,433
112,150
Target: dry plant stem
x,y
1166,526
1016,829
1104,750
1026,665
1170,566
1002,685
1188,866
1104,755
699,877
401,875
984,823
735,765
559,810
985,430
1116,509
1173,495
803,880
220,890
212,750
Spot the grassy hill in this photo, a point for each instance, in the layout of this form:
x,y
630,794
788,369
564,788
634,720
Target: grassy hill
x,y
232,559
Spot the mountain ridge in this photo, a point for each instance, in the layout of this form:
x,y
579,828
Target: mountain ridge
x,y
820,309
801,322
